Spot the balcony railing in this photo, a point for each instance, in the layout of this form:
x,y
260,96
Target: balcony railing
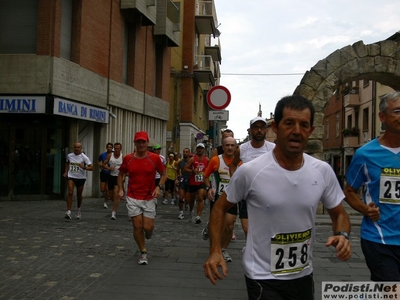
x,y
204,63
203,69
350,141
168,22
351,99
206,18
214,51
147,8
173,13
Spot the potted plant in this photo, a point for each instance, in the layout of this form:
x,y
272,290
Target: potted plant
x,y
354,131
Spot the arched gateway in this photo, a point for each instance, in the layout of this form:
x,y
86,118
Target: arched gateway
x,y
378,61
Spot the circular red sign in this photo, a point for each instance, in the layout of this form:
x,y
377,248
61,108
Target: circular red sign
x,y
218,97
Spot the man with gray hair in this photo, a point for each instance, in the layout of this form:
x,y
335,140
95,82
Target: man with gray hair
x,y
376,168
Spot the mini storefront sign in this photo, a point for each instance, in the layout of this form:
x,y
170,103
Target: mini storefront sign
x,y
23,104
77,110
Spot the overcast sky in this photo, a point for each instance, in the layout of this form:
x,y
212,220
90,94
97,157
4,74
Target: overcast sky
x,y
288,37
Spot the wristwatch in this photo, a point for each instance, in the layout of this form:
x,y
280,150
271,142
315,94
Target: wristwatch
x,y
161,186
344,233
207,188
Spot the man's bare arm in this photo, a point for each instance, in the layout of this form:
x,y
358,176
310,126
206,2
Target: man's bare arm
x,y
340,223
188,166
216,228
370,210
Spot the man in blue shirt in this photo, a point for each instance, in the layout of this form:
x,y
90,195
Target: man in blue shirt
x,y
104,173
376,168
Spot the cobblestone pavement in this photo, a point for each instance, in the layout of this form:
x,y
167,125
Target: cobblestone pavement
x,y
44,256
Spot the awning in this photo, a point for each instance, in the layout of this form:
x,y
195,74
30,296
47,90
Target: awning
x,y
152,142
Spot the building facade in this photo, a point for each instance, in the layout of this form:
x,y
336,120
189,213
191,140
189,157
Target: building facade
x,y
92,71
195,69
350,121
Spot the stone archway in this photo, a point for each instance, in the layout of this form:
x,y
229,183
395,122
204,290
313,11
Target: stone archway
x,y
379,61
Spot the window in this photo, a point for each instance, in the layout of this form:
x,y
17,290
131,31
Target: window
x,y
159,70
365,119
337,125
327,129
349,121
18,26
66,29
196,94
356,118
125,56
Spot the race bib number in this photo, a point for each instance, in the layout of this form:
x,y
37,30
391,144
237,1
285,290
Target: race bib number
x,y
199,177
290,252
390,186
74,168
222,186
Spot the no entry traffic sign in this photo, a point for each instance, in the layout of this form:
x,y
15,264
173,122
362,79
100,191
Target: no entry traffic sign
x,y
218,97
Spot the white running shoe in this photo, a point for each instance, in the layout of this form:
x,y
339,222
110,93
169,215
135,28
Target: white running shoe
x,y
143,260
234,237
78,214
173,202
226,256
204,233
165,202
113,215
181,216
68,215
105,205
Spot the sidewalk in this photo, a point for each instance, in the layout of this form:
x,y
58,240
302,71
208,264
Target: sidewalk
x,y
44,256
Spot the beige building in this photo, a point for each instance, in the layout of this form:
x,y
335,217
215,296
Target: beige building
x,y
195,69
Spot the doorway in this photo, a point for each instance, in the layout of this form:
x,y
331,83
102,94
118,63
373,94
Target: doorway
x,y
26,160
30,161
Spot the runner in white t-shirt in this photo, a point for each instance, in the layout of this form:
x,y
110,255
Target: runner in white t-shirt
x,y
283,188
112,164
76,165
249,151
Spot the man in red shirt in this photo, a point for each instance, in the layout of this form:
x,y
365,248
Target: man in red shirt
x,y
141,167
196,167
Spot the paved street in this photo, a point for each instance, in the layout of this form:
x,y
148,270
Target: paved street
x,y
44,256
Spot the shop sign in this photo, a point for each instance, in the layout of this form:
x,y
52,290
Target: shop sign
x,y
218,115
76,110
23,104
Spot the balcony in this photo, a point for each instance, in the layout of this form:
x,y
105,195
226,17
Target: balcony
x,y
206,18
204,69
350,142
352,99
214,51
168,22
351,137
147,8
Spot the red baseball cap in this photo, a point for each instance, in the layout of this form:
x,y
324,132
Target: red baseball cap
x,y
141,135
